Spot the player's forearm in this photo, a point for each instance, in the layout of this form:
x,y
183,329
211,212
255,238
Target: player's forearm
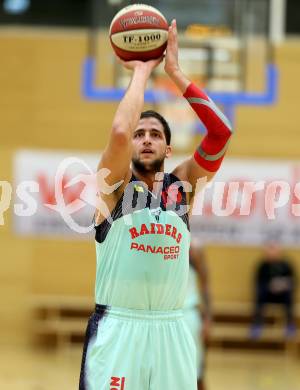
x,y
211,151
130,107
179,78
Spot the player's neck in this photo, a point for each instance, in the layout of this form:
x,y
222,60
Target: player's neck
x,y
149,178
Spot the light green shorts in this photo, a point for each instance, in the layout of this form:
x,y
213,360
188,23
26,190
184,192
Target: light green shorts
x,y
138,350
193,321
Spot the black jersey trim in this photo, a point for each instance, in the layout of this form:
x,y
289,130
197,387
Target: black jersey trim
x,y
121,209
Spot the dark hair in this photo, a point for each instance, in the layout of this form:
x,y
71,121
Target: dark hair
x,y
161,119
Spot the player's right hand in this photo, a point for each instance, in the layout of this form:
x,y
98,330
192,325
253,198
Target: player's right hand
x,y
147,66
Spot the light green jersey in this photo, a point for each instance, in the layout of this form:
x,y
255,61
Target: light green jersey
x,y
143,254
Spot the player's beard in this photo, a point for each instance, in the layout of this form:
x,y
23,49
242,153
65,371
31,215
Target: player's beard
x,y
153,166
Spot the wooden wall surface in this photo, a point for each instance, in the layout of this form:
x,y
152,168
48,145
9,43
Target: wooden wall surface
x,y
41,107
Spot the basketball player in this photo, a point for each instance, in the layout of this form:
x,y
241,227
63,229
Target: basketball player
x,y
197,311
137,339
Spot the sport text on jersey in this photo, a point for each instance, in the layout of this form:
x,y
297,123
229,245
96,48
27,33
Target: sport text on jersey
x,y
168,252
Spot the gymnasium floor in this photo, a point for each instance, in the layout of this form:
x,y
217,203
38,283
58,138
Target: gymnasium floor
x,y
41,370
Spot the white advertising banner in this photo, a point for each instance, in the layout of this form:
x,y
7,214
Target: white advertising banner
x,y
248,202
55,193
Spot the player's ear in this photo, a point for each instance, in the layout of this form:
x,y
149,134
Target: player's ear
x,y
168,151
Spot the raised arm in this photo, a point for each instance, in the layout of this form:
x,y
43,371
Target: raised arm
x,y
210,153
117,154
114,168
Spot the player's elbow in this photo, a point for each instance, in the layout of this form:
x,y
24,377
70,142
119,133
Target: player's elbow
x,y
121,134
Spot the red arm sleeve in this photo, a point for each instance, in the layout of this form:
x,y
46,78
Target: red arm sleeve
x,y
211,151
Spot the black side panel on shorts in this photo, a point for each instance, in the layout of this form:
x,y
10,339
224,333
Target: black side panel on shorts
x,y
91,332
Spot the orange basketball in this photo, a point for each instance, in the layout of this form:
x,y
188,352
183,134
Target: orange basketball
x,y
139,32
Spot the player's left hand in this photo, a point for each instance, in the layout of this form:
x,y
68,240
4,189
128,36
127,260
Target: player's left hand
x,y
171,61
